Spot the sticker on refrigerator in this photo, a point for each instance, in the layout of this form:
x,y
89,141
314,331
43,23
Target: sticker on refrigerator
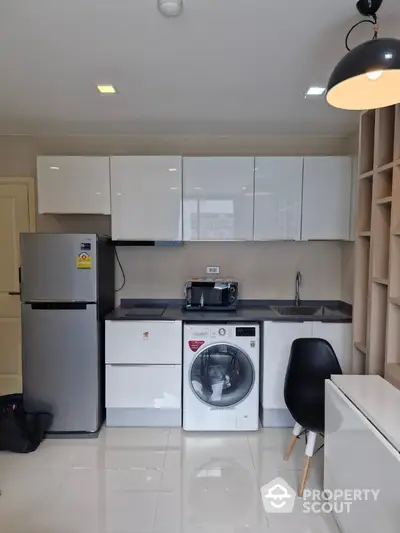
x,y
86,246
84,261
145,335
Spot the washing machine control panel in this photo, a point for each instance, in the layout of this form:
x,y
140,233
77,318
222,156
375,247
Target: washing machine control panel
x,y
245,332
222,332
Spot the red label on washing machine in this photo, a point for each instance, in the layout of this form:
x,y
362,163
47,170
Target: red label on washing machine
x,y
195,345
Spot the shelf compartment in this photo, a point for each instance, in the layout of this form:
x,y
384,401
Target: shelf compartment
x,y
365,233
396,201
394,268
393,335
384,136
392,374
361,290
383,181
364,205
377,333
381,241
396,155
359,361
366,142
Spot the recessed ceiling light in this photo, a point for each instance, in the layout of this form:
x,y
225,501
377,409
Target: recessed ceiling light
x,y
54,168
106,89
315,91
172,169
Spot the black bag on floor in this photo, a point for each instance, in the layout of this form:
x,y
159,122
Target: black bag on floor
x,y
20,432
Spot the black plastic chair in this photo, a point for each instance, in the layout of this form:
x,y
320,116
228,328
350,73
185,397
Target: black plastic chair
x,y
311,362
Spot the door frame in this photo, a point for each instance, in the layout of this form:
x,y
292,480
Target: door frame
x,y
30,182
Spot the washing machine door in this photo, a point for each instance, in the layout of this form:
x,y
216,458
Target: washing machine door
x,y
222,375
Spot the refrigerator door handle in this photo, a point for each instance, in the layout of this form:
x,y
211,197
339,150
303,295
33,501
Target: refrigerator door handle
x,y
68,306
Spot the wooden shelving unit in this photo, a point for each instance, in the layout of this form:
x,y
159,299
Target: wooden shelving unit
x,y
376,315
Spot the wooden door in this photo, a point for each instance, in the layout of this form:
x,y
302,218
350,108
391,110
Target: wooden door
x,y
16,216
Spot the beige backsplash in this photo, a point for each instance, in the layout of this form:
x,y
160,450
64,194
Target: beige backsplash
x,y
264,270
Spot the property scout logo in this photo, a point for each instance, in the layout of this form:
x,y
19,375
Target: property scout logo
x,y
279,497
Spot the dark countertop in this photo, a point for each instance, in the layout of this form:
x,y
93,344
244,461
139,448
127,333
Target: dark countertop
x,y
247,311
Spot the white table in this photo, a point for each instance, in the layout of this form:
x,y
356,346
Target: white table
x,y
362,450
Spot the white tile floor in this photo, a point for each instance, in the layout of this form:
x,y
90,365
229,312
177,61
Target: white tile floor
x,y
154,480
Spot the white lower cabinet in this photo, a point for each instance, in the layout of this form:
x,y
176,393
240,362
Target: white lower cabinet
x,y
144,373
143,386
143,342
278,339
339,337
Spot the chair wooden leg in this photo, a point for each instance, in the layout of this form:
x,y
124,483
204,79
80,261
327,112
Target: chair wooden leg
x,y
296,432
311,440
304,476
290,448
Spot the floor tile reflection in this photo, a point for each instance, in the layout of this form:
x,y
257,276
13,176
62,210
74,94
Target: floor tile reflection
x,y
154,481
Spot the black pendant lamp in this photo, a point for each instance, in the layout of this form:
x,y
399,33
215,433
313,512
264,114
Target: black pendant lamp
x,y
368,77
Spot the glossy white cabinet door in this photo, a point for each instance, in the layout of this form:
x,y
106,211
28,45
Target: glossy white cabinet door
x,y
277,203
142,386
218,194
326,198
146,198
278,339
339,337
143,342
73,185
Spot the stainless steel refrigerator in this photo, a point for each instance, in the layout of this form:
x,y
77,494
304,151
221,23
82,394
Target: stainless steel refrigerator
x,y
67,287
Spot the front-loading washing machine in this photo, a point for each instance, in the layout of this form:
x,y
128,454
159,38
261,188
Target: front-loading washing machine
x,y
221,377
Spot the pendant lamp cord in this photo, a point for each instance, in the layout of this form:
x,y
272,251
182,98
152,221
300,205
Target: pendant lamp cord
x,y
374,22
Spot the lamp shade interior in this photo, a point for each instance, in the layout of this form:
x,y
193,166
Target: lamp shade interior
x,y
368,77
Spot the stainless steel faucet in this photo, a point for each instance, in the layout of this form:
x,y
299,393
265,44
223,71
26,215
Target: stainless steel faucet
x,y
298,283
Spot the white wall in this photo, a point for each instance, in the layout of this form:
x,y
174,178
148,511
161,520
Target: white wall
x,y
265,270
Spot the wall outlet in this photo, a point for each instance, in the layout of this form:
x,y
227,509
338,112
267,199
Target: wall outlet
x,y
213,270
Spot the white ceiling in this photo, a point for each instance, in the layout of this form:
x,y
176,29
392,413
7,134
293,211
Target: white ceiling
x,y
222,67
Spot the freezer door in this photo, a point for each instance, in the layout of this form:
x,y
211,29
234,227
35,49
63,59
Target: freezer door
x,y
61,364
58,267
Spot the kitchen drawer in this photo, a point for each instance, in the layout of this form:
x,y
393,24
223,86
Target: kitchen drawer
x,y
143,386
144,342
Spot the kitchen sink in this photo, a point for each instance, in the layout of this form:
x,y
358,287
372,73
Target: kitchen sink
x,y
299,310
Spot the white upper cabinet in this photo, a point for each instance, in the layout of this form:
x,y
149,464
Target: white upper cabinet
x,y
73,185
146,198
326,198
277,204
218,195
